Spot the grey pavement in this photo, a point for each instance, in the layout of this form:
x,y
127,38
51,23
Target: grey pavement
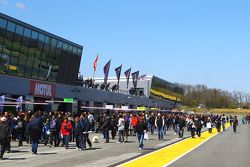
x,y
225,150
102,154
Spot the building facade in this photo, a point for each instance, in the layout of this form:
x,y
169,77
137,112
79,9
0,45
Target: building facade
x,y
29,52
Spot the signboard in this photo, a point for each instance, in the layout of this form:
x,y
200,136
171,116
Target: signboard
x,y
68,100
124,107
109,106
141,108
42,89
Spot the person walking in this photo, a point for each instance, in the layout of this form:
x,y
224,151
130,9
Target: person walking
x,y
159,123
86,130
66,128
235,123
182,125
35,130
4,134
121,125
78,134
140,128
198,124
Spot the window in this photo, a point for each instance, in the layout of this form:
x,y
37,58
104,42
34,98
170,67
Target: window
x,y
79,52
53,43
70,48
34,35
75,50
59,44
19,29
41,37
27,32
11,26
3,23
65,46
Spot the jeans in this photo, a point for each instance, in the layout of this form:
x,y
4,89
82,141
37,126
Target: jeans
x,y
34,146
86,139
106,135
79,141
3,143
181,132
140,137
121,135
20,139
151,128
160,133
66,140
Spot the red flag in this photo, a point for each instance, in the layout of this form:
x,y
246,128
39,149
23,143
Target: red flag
x,y
95,63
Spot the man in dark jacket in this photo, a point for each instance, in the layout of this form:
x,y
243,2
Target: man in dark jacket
x,y
4,135
140,128
105,128
78,129
35,126
182,124
20,129
86,129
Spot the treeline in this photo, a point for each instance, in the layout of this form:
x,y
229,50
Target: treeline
x,y
201,95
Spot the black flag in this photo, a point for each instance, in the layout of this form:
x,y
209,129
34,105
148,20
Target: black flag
x,y
135,76
127,74
118,72
106,71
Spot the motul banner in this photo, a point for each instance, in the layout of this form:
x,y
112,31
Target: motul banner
x,y
42,89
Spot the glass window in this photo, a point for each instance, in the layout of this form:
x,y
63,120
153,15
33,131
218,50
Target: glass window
x,y
59,44
27,32
74,50
19,29
11,26
41,37
53,43
65,46
70,48
34,35
3,23
47,40
79,52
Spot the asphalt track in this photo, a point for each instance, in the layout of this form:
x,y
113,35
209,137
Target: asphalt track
x,y
166,156
225,150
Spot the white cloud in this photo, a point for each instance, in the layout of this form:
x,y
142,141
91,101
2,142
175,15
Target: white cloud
x,y
21,6
4,2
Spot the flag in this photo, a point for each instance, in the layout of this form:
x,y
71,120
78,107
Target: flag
x,y
142,77
118,72
135,76
19,100
127,74
1,103
95,63
106,71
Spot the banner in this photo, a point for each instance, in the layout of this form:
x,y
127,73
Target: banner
x,y
95,63
118,73
106,71
127,74
135,76
142,77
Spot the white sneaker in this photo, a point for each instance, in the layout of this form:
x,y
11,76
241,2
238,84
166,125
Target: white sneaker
x,y
140,149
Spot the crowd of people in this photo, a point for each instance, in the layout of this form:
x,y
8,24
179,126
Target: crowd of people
x,y
58,129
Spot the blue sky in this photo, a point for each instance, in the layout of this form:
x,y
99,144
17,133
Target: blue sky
x,y
185,41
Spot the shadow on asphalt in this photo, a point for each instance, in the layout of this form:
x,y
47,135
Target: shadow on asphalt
x,y
13,159
47,153
18,151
